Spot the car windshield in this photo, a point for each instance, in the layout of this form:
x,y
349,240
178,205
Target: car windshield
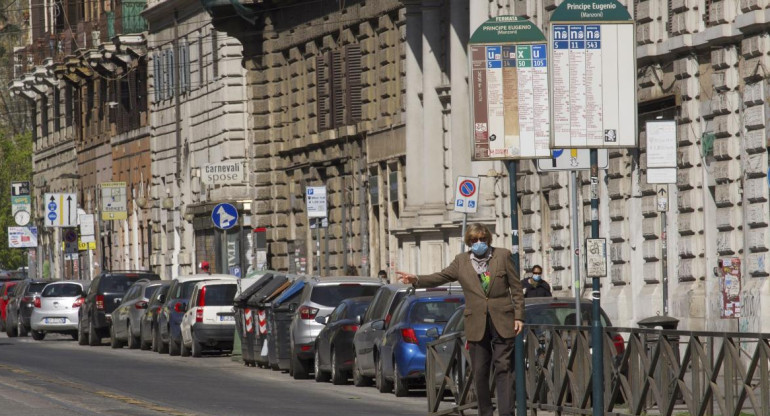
x,y
429,312
36,287
62,290
220,295
559,315
184,290
334,295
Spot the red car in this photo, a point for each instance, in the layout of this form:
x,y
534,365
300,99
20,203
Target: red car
x,y
5,289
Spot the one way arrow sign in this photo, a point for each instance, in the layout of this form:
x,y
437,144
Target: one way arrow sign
x,y
662,198
61,210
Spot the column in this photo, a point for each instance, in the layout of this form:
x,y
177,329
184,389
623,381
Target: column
x,y
432,123
460,117
414,117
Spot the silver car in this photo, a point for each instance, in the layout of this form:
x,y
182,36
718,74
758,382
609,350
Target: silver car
x,y
56,310
127,317
319,298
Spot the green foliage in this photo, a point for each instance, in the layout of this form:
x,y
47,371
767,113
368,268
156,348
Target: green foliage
x,y
15,165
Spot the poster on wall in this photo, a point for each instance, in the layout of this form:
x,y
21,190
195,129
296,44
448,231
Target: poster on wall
x,y
730,288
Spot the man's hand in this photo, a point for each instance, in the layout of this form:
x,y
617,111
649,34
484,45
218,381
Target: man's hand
x,y
406,278
518,326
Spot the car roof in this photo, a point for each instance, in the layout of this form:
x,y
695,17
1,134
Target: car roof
x,y
79,282
554,300
204,276
214,282
419,296
323,281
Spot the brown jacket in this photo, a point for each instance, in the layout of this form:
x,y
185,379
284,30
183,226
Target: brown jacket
x,y
504,305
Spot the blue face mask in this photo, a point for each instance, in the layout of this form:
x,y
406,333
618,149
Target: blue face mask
x,y
536,277
479,248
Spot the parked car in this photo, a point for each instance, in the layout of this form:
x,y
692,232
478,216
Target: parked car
x,y
6,290
56,309
367,339
104,295
209,321
18,311
444,347
402,354
320,297
149,320
334,352
126,318
170,319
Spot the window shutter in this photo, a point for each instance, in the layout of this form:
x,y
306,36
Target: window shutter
x,y
165,79
171,74
200,61
215,53
141,85
156,76
353,87
56,108
186,49
338,97
323,93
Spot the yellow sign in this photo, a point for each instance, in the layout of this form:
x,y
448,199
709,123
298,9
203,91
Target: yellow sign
x,y
85,246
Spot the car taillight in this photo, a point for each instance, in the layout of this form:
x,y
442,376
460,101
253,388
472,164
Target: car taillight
x,y
199,315
99,301
350,328
140,305
409,336
202,297
78,302
37,302
619,342
306,312
178,307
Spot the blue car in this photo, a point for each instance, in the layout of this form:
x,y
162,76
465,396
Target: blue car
x,y
402,353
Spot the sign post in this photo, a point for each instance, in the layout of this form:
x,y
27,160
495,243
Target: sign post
x,y
593,88
224,216
315,198
466,200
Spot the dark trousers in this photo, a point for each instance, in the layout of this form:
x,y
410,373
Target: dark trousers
x,y
493,349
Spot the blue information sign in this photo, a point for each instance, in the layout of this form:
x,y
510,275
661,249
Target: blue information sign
x,y
224,216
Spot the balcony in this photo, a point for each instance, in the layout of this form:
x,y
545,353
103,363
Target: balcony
x,y
124,20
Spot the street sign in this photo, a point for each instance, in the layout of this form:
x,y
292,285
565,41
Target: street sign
x,y
20,188
315,198
509,90
596,257
224,216
466,194
86,227
572,159
114,206
22,237
86,245
21,202
661,151
226,173
662,199
593,75
70,236
61,210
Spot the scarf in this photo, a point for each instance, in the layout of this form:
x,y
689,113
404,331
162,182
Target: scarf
x,y
481,266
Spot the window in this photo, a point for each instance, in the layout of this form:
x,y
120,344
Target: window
x,y
432,311
62,290
44,116
200,61
157,77
184,67
150,290
56,108
68,105
333,295
215,54
170,70
219,295
338,84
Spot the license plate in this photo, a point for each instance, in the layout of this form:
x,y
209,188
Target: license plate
x,y
226,318
55,320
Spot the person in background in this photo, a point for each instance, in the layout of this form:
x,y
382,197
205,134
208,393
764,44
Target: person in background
x,y
204,266
494,312
535,286
383,276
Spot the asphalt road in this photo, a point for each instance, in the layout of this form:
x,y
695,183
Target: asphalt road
x,y
57,377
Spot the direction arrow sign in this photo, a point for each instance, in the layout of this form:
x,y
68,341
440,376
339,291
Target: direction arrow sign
x,y
224,216
62,210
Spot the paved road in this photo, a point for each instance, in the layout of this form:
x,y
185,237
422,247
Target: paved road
x,y
58,377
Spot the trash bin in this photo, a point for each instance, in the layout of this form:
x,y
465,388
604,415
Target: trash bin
x,y
244,323
280,316
256,303
665,379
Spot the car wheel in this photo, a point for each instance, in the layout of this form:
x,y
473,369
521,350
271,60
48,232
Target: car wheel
x,y
162,346
320,375
114,342
144,344
10,329
197,347
133,342
20,328
299,368
173,347
155,340
400,385
93,337
359,380
383,385
338,376
37,335
183,350
82,337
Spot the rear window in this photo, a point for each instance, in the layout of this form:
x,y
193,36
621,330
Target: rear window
x,y
184,290
117,284
334,295
429,312
150,290
62,290
36,287
220,295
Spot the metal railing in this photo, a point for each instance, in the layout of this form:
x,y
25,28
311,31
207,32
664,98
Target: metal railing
x,y
663,372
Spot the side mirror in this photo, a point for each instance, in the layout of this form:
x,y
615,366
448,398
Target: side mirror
x,y
432,333
359,320
378,325
322,319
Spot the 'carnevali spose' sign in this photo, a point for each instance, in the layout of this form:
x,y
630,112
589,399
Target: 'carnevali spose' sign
x,y
226,173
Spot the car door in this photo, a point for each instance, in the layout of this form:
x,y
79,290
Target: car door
x,y
324,336
364,340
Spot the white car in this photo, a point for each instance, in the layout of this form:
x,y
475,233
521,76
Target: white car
x,y
56,309
209,321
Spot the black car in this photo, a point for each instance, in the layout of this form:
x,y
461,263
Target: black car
x,y
20,305
149,321
104,295
334,344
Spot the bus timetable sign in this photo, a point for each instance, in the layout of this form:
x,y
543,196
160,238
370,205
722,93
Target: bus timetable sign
x,y
509,90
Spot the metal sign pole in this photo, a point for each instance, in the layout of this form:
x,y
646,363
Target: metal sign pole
x,y
318,244
575,241
664,250
521,398
224,268
462,233
597,376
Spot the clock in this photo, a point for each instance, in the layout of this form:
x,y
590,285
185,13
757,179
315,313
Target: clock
x,y
21,217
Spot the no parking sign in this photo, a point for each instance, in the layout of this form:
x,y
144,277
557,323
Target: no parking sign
x,y
467,194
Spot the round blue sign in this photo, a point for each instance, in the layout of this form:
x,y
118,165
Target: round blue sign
x,y
52,206
557,152
52,216
467,188
224,216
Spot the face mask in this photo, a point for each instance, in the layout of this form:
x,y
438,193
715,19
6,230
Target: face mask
x,y
479,248
536,277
